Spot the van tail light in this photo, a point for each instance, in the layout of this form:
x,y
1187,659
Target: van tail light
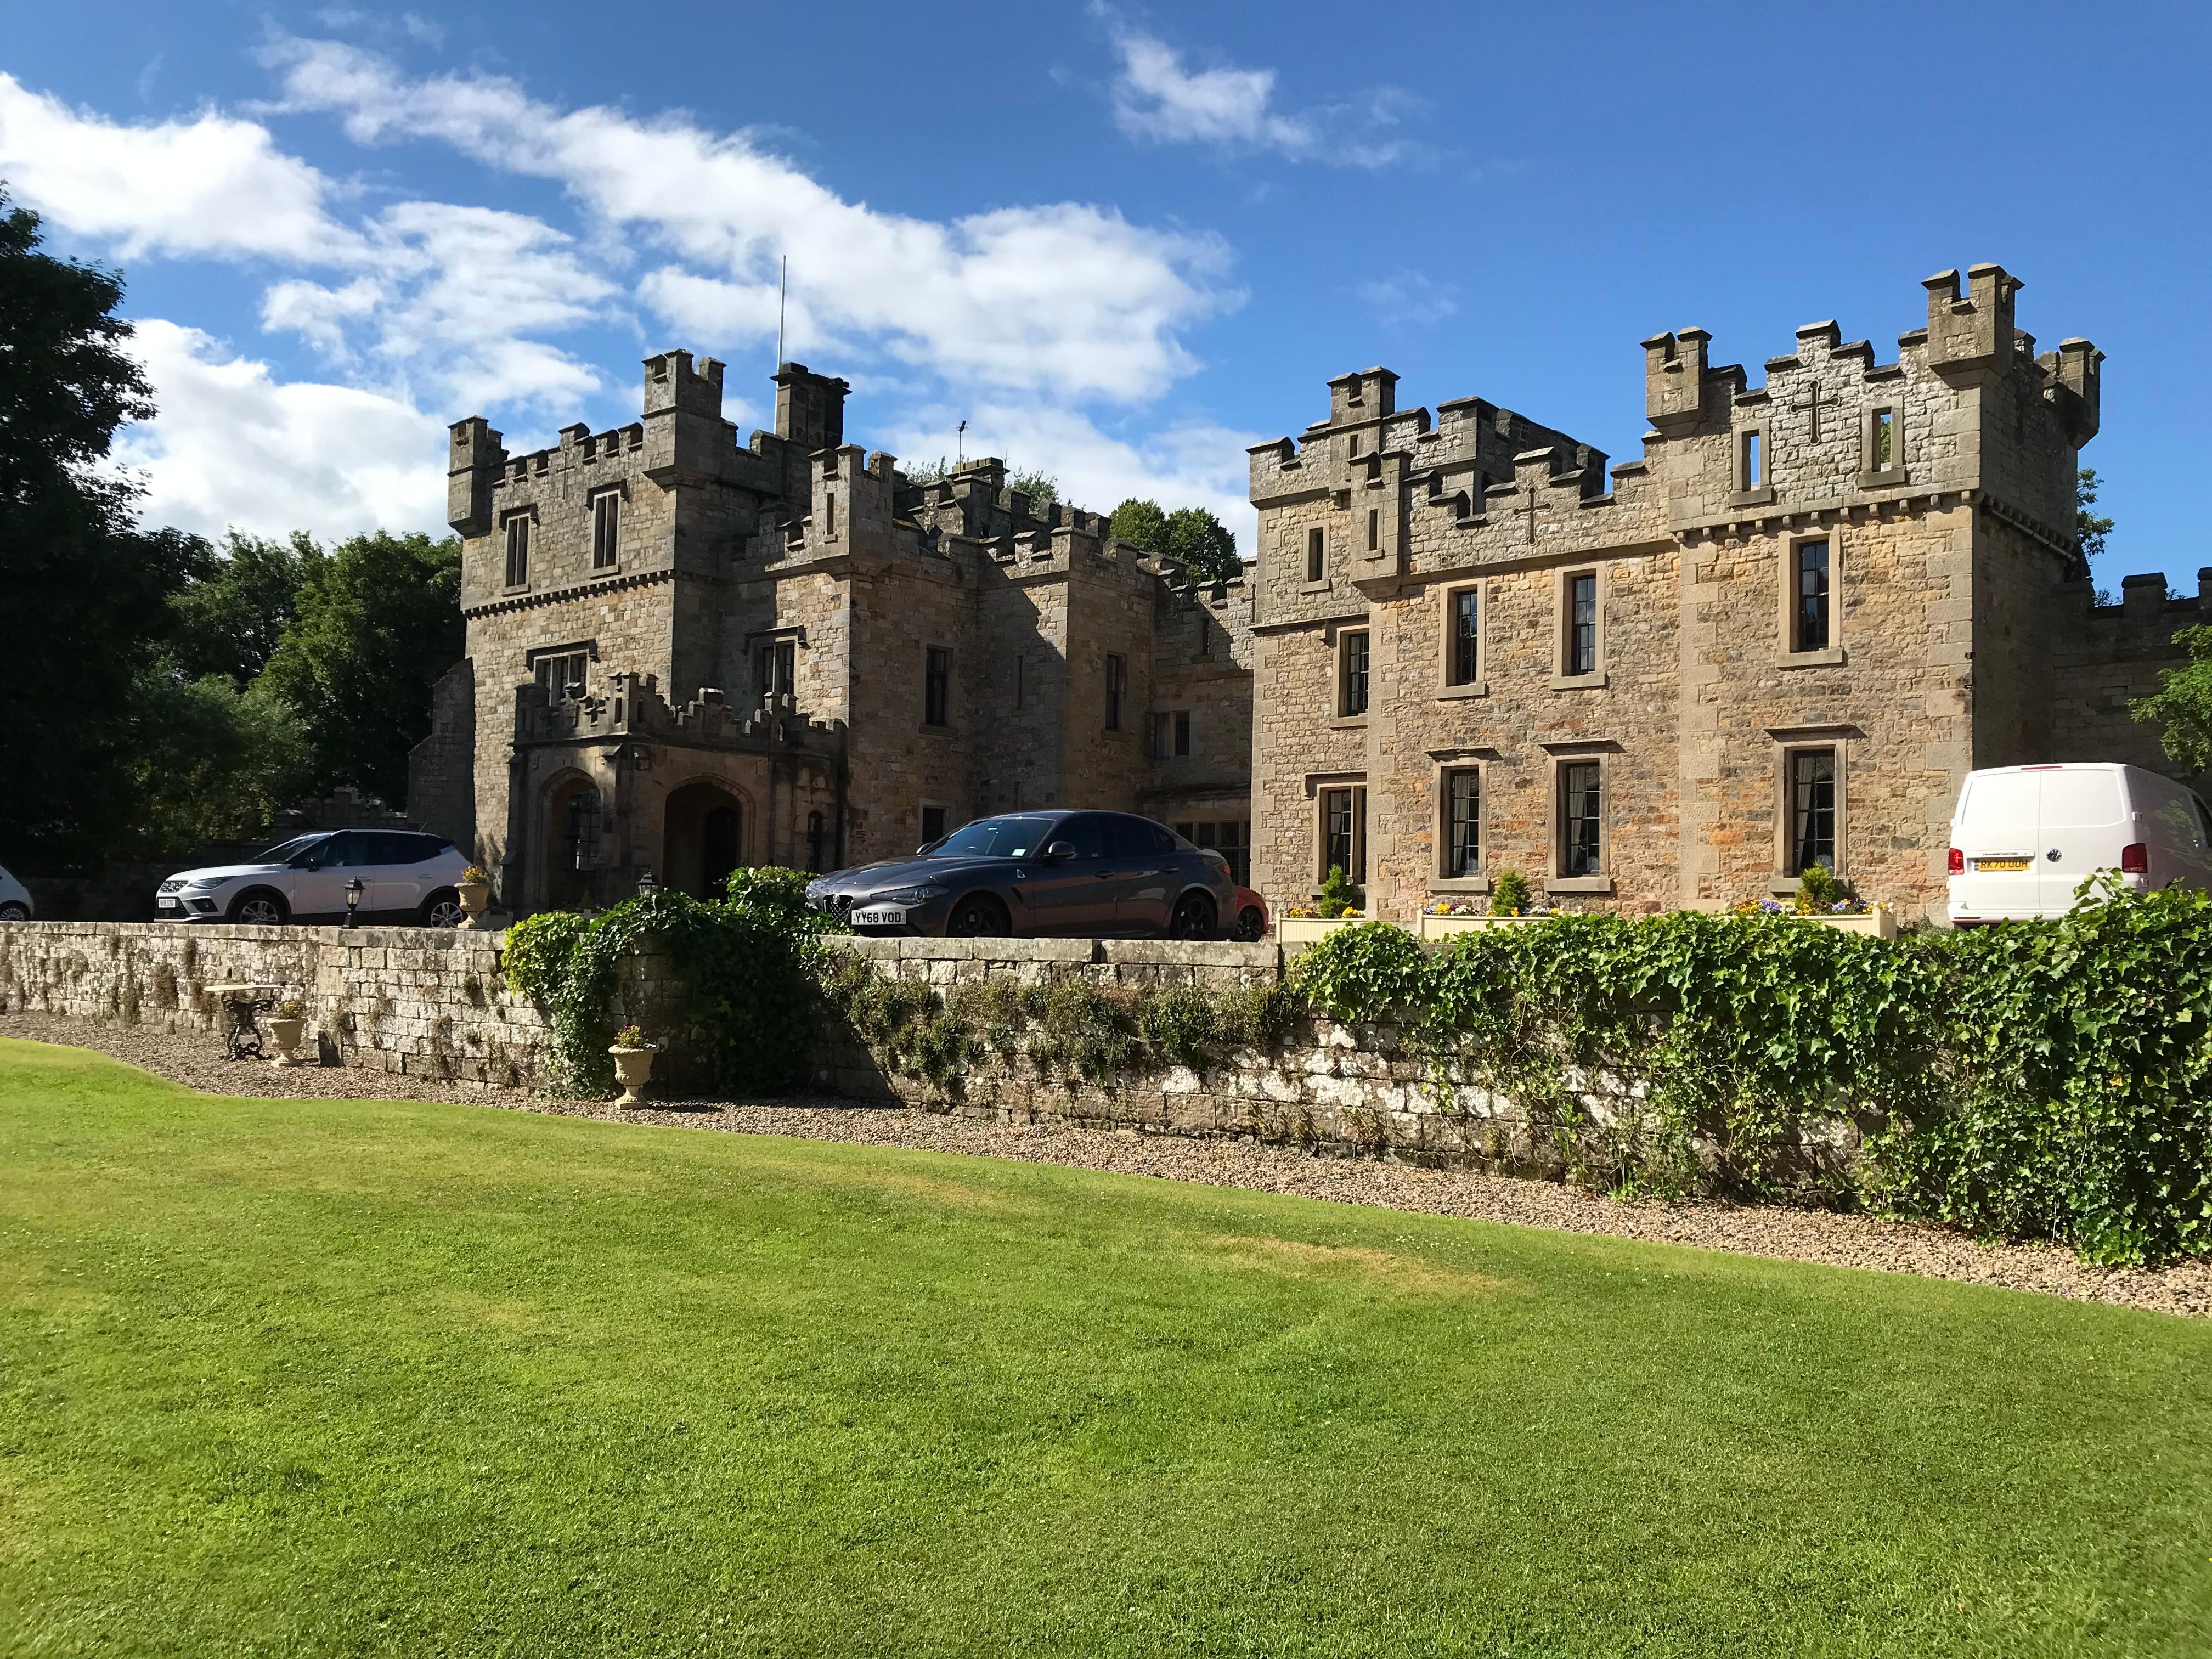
x,y
1958,862
2135,858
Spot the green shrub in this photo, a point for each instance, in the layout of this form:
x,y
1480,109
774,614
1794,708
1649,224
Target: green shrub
x,y
1337,893
1509,895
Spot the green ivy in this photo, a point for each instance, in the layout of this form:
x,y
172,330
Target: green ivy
x,y
748,958
2036,1079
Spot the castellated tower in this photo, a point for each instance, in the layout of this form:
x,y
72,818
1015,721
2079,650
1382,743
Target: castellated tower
x,y
685,654
1780,636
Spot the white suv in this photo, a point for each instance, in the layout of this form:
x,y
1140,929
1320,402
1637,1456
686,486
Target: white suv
x,y
406,879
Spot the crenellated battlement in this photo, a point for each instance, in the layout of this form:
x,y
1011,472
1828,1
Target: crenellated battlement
x,y
633,707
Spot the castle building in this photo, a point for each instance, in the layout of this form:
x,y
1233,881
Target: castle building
x,y
1780,637
686,655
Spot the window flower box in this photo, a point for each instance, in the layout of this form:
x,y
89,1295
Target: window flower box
x,y
1296,933
1443,926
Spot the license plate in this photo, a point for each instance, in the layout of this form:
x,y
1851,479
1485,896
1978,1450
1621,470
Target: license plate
x,y
2001,864
879,915
165,904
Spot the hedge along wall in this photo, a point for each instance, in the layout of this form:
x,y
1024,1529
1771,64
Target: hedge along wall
x,y
426,1001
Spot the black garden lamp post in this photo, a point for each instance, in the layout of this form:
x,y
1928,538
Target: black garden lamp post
x,y
353,900
646,884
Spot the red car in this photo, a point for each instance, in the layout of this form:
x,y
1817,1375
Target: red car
x,y
1250,923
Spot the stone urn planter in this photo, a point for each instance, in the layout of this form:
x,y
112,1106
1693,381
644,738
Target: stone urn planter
x,y
1445,926
285,1031
1296,933
476,899
632,1070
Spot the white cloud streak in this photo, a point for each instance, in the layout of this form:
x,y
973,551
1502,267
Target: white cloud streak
x,y
1066,296
1158,100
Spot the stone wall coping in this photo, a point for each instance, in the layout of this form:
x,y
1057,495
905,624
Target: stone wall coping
x,y
1119,953
381,938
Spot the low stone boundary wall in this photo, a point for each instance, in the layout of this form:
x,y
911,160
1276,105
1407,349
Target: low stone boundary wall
x,y
426,1001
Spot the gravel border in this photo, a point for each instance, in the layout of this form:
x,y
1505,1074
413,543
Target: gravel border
x,y
1842,1241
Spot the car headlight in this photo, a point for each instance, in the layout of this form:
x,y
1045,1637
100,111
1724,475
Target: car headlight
x,y
913,895
202,884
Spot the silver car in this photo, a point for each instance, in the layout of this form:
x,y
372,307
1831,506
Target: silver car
x,y
407,880
15,899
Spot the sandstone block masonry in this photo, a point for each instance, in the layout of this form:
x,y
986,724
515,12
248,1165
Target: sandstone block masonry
x,y
686,654
1781,636
430,1002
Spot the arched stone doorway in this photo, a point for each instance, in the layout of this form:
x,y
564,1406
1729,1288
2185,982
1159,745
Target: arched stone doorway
x,y
573,827
705,838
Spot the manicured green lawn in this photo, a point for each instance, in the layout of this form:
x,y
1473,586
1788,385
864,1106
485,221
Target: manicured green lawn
x,y
307,1377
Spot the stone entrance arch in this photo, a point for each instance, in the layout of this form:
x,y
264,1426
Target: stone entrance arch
x,y
707,836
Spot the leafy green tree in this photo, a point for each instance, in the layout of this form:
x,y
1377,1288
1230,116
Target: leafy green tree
x,y
1191,536
230,619
84,593
1204,546
1041,488
1142,524
211,761
2182,705
2089,530
378,621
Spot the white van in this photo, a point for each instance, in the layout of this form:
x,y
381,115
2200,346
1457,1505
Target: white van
x,y
2024,837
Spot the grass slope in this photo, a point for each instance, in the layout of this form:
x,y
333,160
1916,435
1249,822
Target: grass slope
x,y
324,1377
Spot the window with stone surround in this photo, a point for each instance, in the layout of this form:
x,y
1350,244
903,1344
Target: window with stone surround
x,y
1462,828
1117,688
1374,529
1021,680
1578,655
1810,779
1582,818
1881,440
1316,554
1343,832
606,529
1810,628
518,549
1751,460
775,667
933,824
1351,673
1170,735
1463,637
562,672
936,686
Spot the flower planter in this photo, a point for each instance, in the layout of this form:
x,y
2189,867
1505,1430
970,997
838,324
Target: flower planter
x,y
475,897
285,1034
1875,924
1445,926
632,1070
1296,933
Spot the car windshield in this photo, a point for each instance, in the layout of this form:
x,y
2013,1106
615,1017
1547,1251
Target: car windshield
x,y
995,838
285,852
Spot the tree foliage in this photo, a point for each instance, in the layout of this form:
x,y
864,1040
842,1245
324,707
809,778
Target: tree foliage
x,y
378,621
84,593
1191,536
2089,530
212,762
231,616
2182,706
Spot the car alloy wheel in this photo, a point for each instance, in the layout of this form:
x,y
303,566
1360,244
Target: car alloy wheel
x,y
1194,917
976,918
1251,926
444,910
14,912
259,910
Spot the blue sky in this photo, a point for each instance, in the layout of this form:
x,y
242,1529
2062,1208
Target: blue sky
x,y
1120,242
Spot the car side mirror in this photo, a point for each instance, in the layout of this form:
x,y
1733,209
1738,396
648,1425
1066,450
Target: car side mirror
x,y
311,864
1058,851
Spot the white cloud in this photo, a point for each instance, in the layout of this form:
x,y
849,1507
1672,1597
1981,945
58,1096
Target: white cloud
x,y
454,298
232,445
1158,100
1183,466
1066,295
1409,297
211,186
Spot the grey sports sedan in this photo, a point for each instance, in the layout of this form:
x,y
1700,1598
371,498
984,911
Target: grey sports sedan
x,y
1032,874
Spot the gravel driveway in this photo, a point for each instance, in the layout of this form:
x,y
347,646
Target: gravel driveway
x,y
1844,1241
